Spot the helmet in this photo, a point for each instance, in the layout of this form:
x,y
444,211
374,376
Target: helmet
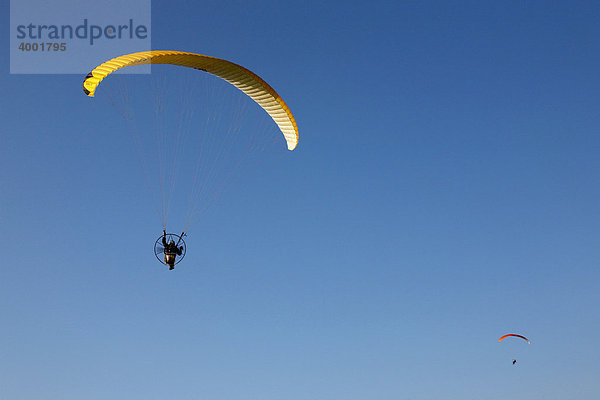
x,y
171,242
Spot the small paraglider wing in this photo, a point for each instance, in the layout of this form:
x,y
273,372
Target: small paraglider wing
x,y
514,335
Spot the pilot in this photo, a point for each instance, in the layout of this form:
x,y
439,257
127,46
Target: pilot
x,y
171,251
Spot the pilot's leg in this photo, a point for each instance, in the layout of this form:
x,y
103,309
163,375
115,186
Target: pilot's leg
x,y
170,260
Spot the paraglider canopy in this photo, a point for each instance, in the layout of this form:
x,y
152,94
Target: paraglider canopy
x,y
514,335
243,79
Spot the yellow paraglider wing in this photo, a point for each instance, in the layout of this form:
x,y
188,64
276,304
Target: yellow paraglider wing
x,y
240,77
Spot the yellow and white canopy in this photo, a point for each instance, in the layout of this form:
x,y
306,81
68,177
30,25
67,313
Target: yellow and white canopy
x,y
245,80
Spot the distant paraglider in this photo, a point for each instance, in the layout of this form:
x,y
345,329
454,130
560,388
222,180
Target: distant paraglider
x,y
514,361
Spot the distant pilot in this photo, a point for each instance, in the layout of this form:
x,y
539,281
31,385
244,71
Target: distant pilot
x,y
514,362
171,251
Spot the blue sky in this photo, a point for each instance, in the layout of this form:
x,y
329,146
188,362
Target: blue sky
x,y
444,192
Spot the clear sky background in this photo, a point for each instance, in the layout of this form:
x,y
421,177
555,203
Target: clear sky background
x,y
444,192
